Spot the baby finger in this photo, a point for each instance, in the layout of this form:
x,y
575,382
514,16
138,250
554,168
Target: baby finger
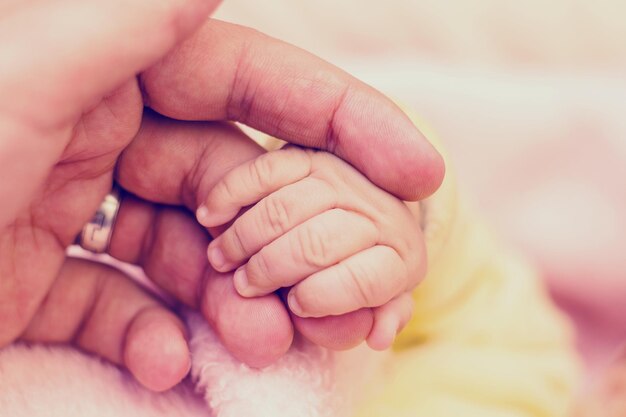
x,y
316,244
368,279
248,183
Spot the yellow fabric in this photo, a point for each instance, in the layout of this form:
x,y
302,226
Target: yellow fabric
x,y
485,339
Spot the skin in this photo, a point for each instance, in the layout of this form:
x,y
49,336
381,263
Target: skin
x,y
317,225
68,112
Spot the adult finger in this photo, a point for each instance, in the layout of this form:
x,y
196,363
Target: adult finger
x,y
239,74
236,320
101,311
178,163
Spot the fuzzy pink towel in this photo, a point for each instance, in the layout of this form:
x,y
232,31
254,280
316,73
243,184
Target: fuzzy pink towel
x,y
307,382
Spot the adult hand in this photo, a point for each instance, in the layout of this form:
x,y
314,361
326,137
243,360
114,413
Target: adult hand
x,y
71,103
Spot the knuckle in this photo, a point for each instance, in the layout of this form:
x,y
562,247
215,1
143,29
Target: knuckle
x,y
326,189
234,240
276,214
224,190
302,157
312,243
259,272
261,171
398,274
361,284
313,300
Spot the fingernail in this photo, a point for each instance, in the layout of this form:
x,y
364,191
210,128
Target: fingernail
x,y
294,305
202,215
216,258
241,282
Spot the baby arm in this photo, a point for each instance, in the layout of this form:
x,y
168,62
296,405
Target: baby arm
x,y
315,224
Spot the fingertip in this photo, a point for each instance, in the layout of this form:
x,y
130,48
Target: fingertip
x,y
211,217
432,173
156,350
295,306
381,339
421,172
203,216
216,257
423,168
389,320
240,281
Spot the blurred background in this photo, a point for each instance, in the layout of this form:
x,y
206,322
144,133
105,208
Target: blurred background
x,y
529,99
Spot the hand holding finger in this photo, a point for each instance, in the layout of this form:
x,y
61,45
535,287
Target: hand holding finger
x,y
171,248
285,240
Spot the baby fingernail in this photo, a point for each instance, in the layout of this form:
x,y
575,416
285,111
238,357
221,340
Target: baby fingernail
x,y
202,214
216,258
294,305
241,282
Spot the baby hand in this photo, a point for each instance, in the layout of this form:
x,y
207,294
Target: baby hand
x,y
320,226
